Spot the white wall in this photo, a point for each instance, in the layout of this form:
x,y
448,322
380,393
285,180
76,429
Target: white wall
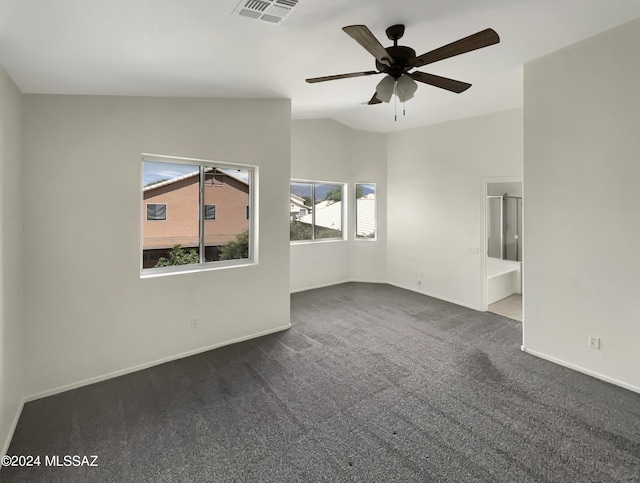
x,y
436,200
369,165
319,151
11,327
581,179
511,189
88,313
326,150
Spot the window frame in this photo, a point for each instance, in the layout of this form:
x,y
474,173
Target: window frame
x,y
355,213
202,265
343,211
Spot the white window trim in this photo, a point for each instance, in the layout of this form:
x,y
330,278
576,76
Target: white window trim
x,y
202,266
345,194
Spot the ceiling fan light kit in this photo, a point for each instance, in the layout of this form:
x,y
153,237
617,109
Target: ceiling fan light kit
x,y
406,87
385,88
397,61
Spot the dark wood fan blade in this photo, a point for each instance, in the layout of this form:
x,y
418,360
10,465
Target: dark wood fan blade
x,y
362,35
441,82
341,76
472,42
374,100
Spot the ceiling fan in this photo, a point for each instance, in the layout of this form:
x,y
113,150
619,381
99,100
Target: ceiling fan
x,y
396,61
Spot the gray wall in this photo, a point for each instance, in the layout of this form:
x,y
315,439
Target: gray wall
x,y
89,314
11,326
582,218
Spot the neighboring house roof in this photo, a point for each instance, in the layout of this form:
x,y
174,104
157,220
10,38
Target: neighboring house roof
x,y
191,175
297,202
170,181
328,215
296,198
366,215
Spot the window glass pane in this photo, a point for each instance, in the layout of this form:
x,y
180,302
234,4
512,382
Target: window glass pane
x,y
209,212
175,241
300,214
156,212
365,211
227,191
328,210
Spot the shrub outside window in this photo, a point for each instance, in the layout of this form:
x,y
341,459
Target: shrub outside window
x,y
192,192
316,211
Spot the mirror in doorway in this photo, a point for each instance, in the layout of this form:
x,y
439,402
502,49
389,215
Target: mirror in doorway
x,y
504,221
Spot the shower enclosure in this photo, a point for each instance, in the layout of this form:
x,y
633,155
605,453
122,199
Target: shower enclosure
x,y
504,227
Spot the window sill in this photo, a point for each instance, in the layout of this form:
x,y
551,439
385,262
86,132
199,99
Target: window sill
x,y
154,273
313,242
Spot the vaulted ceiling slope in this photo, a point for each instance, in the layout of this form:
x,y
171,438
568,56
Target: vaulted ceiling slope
x,y
198,48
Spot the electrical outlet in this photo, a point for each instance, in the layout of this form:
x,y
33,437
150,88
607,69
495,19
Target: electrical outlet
x,y
194,321
594,342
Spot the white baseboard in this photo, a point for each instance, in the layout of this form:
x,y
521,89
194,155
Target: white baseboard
x,y
577,368
411,289
331,284
146,365
362,280
439,297
322,285
12,429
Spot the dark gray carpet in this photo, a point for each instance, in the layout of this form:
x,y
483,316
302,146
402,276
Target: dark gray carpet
x,y
372,383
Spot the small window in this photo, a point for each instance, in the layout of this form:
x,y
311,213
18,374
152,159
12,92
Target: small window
x,y
209,212
366,220
317,211
156,211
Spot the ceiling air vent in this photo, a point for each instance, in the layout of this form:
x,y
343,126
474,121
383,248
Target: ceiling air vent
x,y
271,11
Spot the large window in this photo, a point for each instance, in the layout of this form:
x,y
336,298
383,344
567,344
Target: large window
x,y
365,211
316,211
195,214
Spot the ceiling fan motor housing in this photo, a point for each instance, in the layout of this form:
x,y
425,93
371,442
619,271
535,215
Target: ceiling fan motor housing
x,y
401,56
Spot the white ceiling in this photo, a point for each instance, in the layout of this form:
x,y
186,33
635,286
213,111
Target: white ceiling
x,y
196,48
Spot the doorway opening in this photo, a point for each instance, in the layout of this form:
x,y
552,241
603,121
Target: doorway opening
x,y
503,255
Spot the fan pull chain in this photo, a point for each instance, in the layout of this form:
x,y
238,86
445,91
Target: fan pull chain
x,y
395,102
404,111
